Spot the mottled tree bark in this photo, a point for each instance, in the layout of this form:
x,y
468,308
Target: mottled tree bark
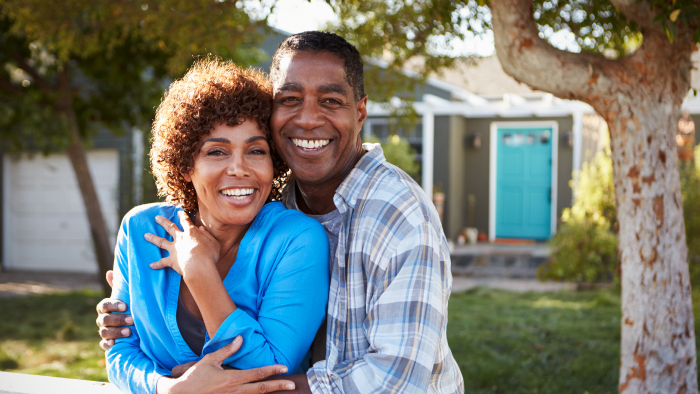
x,y
639,96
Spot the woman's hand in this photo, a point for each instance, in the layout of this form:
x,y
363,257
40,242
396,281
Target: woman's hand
x,y
191,249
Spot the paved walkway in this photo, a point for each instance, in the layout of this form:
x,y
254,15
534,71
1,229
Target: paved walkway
x,y
462,283
21,283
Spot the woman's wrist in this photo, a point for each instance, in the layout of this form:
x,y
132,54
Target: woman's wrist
x,y
199,271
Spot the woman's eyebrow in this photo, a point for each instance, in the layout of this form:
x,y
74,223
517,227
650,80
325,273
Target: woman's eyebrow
x,y
216,139
256,138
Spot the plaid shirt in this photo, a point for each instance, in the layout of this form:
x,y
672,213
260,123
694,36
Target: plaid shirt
x,y
390,282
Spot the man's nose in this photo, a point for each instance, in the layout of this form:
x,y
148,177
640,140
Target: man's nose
x,y
310,116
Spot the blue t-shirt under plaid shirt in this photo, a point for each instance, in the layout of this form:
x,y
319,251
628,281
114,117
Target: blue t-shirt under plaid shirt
x,y
390,283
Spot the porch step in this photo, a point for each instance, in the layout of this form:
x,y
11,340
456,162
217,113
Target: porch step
x,y
499,261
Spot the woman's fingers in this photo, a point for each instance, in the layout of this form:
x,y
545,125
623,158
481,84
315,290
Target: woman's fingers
x,y
160,264
158,241
185,220
206,233
169,226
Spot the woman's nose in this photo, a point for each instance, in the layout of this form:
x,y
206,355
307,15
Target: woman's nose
x,y
237,166
310,116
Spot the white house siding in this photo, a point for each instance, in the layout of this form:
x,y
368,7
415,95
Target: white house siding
x,y
45,225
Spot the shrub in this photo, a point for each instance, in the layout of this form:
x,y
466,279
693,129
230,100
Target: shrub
x,y
690,189
584,250
399,152
585,247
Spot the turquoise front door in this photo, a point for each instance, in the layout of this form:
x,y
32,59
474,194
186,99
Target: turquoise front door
x,y
524,183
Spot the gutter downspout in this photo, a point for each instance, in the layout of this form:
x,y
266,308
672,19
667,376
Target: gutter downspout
x,y
428,151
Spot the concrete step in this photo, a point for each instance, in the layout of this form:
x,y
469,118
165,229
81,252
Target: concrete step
x,y
499,261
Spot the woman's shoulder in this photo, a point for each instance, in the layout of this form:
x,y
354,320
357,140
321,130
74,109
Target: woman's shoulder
x,y
146,214
275,218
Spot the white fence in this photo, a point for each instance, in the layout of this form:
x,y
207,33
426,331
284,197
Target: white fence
x,y
17,383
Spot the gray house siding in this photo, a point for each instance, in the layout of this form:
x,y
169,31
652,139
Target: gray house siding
x,y
461,170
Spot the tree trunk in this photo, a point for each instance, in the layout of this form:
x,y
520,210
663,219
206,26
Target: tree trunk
x,y
658,328
78,159
639,97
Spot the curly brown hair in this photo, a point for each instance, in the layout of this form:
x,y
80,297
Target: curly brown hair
x,y
211,92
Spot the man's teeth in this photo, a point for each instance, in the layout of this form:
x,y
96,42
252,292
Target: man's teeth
x,y
238,192
310,144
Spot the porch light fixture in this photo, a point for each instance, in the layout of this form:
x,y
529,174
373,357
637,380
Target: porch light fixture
x,y
473,141
568,140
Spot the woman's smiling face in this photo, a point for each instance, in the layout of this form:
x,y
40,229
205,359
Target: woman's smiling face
x,y
232,174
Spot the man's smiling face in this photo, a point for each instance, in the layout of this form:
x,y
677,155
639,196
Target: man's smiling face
x,y
316,120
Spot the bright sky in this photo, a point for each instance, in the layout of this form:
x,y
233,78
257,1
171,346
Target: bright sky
x,y
295,16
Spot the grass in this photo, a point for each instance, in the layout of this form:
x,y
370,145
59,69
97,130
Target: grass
x,y
52,335
536,343
566,342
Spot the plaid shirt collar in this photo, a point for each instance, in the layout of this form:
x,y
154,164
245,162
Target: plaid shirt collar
x,y
352,188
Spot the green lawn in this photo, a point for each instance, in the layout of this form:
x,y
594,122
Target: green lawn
x,y
536,343
566,342
52,335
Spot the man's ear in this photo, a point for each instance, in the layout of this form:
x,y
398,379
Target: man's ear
x,y
361,111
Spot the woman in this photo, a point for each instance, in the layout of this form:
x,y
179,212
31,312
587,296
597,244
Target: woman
x,y
242,265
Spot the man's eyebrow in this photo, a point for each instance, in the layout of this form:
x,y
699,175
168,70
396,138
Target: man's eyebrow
x,y
291,87
332,88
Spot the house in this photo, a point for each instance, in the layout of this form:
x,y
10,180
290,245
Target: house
x,y
502,154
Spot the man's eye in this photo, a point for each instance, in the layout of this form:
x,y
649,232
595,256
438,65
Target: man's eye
x,y
289,100
332,101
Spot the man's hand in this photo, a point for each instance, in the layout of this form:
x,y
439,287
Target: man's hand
x,y
111,325
208,376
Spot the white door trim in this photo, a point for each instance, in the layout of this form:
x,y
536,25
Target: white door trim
x,y
493,151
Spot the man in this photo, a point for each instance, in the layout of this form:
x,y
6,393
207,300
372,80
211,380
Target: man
x,y
390,267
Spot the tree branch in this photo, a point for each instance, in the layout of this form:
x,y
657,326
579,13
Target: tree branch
x,y
38,79
533,61
638,12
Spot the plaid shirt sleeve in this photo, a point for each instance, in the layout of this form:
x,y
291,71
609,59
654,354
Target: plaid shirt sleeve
x,y
406,317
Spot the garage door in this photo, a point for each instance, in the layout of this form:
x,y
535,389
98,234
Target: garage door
x,y
45,226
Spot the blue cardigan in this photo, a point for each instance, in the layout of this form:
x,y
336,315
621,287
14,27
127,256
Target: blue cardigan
x,y
279,282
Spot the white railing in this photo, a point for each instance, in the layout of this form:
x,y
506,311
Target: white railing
x,y
17,383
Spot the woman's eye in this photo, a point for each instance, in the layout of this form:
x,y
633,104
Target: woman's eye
x,y
215,152
259,151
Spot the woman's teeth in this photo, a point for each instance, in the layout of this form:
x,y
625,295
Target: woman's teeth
x,y
310,144
238,193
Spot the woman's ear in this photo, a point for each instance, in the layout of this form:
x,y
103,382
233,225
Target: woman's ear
x,y
187,177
